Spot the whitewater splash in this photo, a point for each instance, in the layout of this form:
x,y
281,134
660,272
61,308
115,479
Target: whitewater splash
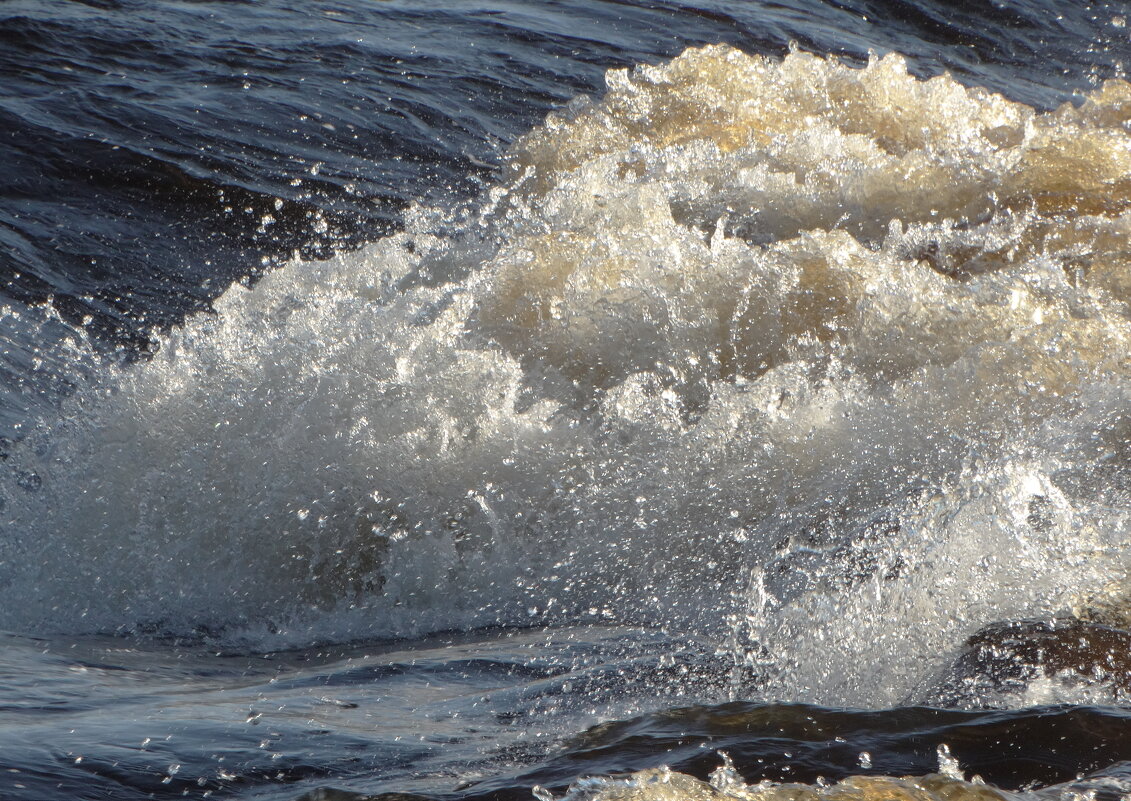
x,y
828,363
726,785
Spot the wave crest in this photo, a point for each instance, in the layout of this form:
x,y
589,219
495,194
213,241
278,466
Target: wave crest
x,y
746,343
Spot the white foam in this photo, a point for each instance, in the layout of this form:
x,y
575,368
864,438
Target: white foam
x,y
859,336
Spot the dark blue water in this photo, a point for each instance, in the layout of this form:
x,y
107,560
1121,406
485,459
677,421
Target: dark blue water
x,y
155,154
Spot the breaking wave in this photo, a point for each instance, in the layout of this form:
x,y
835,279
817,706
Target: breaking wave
x,y
828,363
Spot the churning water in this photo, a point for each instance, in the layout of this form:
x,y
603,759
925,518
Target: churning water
x,y
761,375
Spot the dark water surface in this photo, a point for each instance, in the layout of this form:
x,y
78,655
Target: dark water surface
x,y
472,492
483,716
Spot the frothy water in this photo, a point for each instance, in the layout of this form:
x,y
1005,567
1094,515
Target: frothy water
x,y
828,364
725,784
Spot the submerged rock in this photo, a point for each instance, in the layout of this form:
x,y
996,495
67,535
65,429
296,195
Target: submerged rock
x,y
1013,658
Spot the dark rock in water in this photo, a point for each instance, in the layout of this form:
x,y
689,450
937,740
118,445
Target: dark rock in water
x,y
1005,658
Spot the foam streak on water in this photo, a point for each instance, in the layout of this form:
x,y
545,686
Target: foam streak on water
x,y
829,363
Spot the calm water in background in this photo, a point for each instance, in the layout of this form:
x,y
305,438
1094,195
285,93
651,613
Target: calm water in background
x,y
152,154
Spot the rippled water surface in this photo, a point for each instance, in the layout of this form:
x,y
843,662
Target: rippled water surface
x,y
593,399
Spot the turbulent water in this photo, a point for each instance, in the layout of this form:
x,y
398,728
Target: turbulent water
x,y
773,374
